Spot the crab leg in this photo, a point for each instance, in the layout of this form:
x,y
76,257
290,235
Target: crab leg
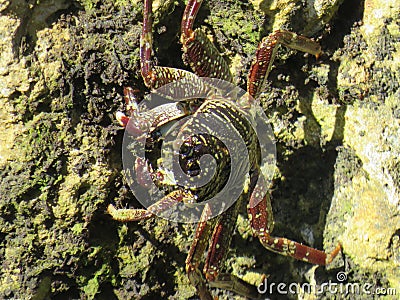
x,y
158,117
146,44
266,53
259,215
199,53
221,229
154,76
221,239
196,252
136,214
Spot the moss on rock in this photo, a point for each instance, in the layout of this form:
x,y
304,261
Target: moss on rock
x,y
62,71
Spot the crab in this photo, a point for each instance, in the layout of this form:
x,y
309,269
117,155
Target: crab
x,y
213,234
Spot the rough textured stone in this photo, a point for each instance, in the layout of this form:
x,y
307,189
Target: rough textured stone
x,y
63,65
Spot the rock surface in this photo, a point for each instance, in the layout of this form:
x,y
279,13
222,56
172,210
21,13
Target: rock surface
x,y
63,66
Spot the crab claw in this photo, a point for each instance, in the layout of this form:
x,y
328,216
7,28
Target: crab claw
x,y
132,128
122,119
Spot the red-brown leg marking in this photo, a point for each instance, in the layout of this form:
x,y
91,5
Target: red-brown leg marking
x,y
221,234
189,15
258,215
266,53
219,244
196,252
136,214
154,76
220,241
199,53
146,44
131,98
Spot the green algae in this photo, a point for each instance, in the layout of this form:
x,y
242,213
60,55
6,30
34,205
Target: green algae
x,y
62,163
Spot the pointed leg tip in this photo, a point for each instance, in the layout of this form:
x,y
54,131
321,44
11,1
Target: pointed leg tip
x,y
330,257
111,209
